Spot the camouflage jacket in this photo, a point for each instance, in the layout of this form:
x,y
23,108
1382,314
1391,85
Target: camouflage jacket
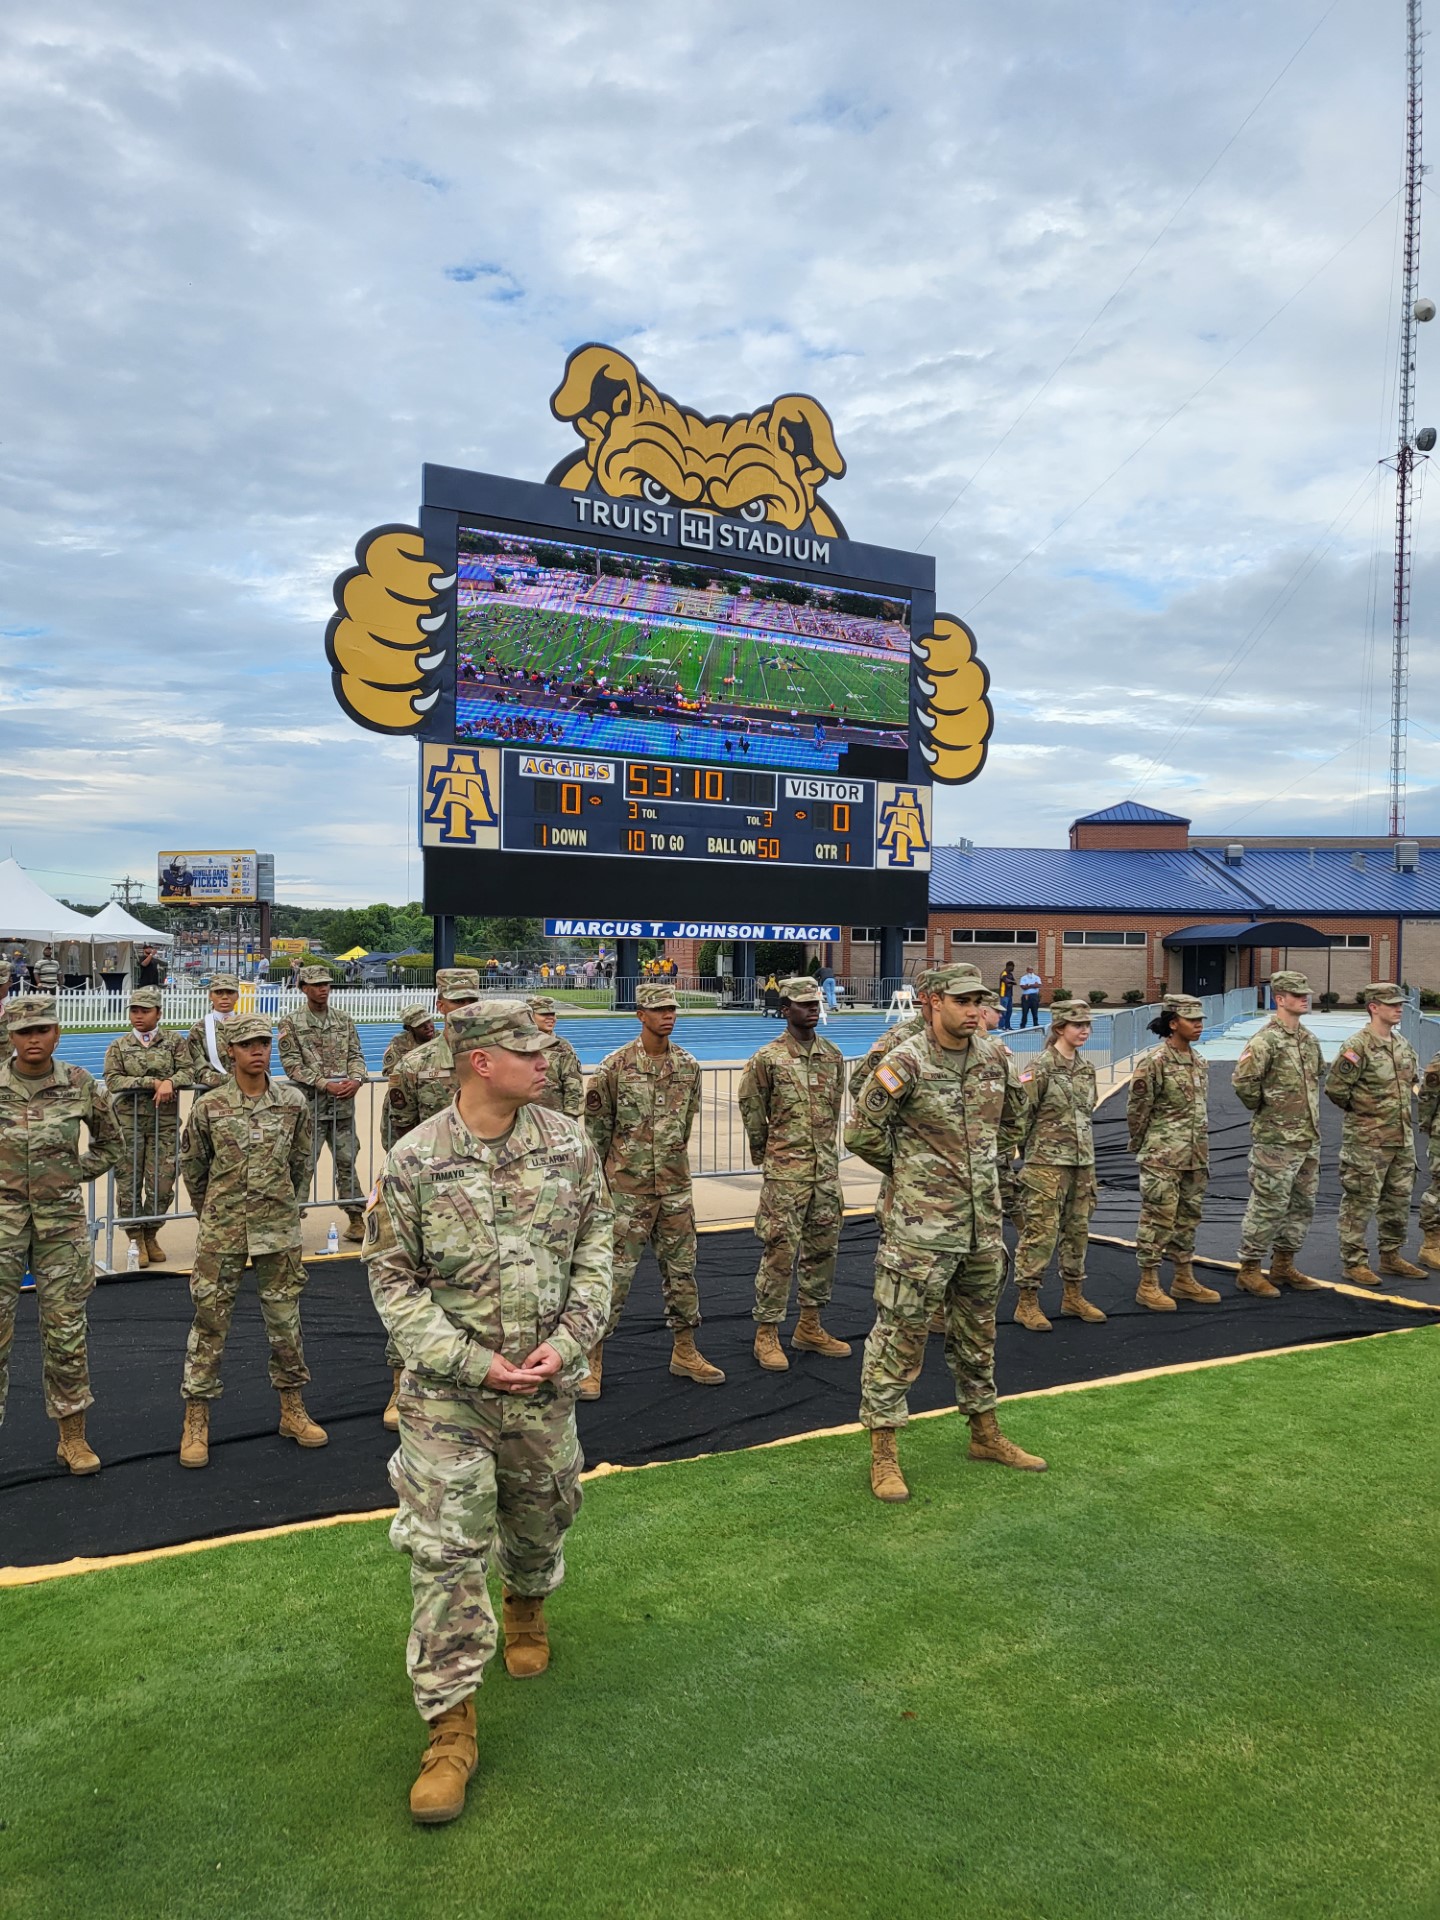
x,y
400,1048
1430,1097
475,1250
790,1101
930,1119
316,1047
1371,1082
202,1074
564,1080
246,1164
1056,1129
133,1071
639,1113
421,1086
1278,1077
907,1029
41,1165
1169,1110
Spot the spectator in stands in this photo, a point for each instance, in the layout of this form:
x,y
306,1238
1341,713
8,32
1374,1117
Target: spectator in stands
x,y
1007,995
1030,985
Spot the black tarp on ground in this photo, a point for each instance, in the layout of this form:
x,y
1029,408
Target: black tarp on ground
x,y
1219,1235
144,1498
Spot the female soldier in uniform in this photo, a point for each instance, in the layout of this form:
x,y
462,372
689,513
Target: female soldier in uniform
x,y
1169,1136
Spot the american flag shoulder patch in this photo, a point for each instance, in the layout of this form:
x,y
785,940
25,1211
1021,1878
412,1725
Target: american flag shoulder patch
x,y
1026,1076
1353,1058
889,1079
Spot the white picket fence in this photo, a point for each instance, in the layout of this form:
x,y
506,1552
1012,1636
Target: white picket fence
x,y
184,1005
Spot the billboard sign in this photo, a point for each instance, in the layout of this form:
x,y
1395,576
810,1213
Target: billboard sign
x,y
210,879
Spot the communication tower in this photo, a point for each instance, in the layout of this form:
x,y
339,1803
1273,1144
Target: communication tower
x,y
1412,446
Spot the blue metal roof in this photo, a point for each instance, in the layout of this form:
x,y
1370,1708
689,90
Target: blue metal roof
x,y
1289,881
1130,813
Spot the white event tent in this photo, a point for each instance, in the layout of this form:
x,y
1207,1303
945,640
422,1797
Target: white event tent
x,y
30,914
115,924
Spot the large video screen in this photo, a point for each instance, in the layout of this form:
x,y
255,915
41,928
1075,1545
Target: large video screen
x,y
566,645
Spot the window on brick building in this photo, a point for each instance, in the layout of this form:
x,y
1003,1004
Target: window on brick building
x,y
1091,937
994,937
1349,939
870,936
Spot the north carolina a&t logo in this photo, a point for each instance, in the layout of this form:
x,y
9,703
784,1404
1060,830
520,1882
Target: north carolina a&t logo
x,y
903,832
459,785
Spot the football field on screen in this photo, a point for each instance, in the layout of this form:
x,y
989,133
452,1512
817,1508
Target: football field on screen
x,y
1191,1670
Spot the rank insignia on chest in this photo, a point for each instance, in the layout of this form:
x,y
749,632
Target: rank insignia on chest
x,y
889,1079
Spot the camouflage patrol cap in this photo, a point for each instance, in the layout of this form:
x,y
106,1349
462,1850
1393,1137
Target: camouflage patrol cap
x,y
924,981
959,977
496,1023
801,988
1071,1013
414,1017
249,1026
1183,1005
147,997
654,998
314,977
541,1003
31,1010
1289,983
224,983
1386,993
458,983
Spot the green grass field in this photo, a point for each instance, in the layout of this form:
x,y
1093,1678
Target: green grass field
x,y
1190,1671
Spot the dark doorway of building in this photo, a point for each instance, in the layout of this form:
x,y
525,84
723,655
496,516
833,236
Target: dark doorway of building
x,y
1203,969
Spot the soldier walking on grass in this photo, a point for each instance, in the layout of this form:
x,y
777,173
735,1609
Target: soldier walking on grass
x,y
246,1158
424,1082
488,1242
1278,1077
1057,1143
564,1090
929,1119
1168,1113
1373,1082
791,1094
640,1110
321,1054
42,1212
144,1071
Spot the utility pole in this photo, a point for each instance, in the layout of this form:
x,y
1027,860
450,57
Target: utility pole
x,y
127,891
1405,456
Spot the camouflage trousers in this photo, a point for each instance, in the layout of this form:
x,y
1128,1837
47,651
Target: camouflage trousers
x,y
64,1280
1430,1199
797,1218
333,1125
145,1177
910,1283
1374,1180
1283,1185
477,1475
279,1281
1171,1200
666,1222
1057,1207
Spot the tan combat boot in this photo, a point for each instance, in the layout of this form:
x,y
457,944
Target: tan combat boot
x,y
1395,1266
74,1450
1251,1280
354,1227
1284,1270
590,1385
1028,1311
391,1416
811,1337
527,1640
987,1442
937,1321
768,1350
687,1360
142,1257
1151,1294
295,1422
886,1480
1429,1254
1074,1303
1361,1276
1186,1287
450,1759
154,1249
195,1438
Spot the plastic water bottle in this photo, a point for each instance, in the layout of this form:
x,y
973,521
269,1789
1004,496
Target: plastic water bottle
x,y
332,1239
132,1259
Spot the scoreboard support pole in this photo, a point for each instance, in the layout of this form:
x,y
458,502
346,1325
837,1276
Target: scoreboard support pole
x,y
892,959
627,974
744,971
444,941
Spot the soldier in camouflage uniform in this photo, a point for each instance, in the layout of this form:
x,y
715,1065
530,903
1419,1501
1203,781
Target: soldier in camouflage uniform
x,y
929,1118
246,1158
640,1108
417,1029
1057,1142
1372,1082
906,1029
488,1241
564,1080
209,1061
42,1211
1168,1114
1278,1077
6,1049
424,1084
321,1054
1428,1119
144,1070
791,1095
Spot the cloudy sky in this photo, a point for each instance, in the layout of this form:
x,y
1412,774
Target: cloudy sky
x,y
1103,300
